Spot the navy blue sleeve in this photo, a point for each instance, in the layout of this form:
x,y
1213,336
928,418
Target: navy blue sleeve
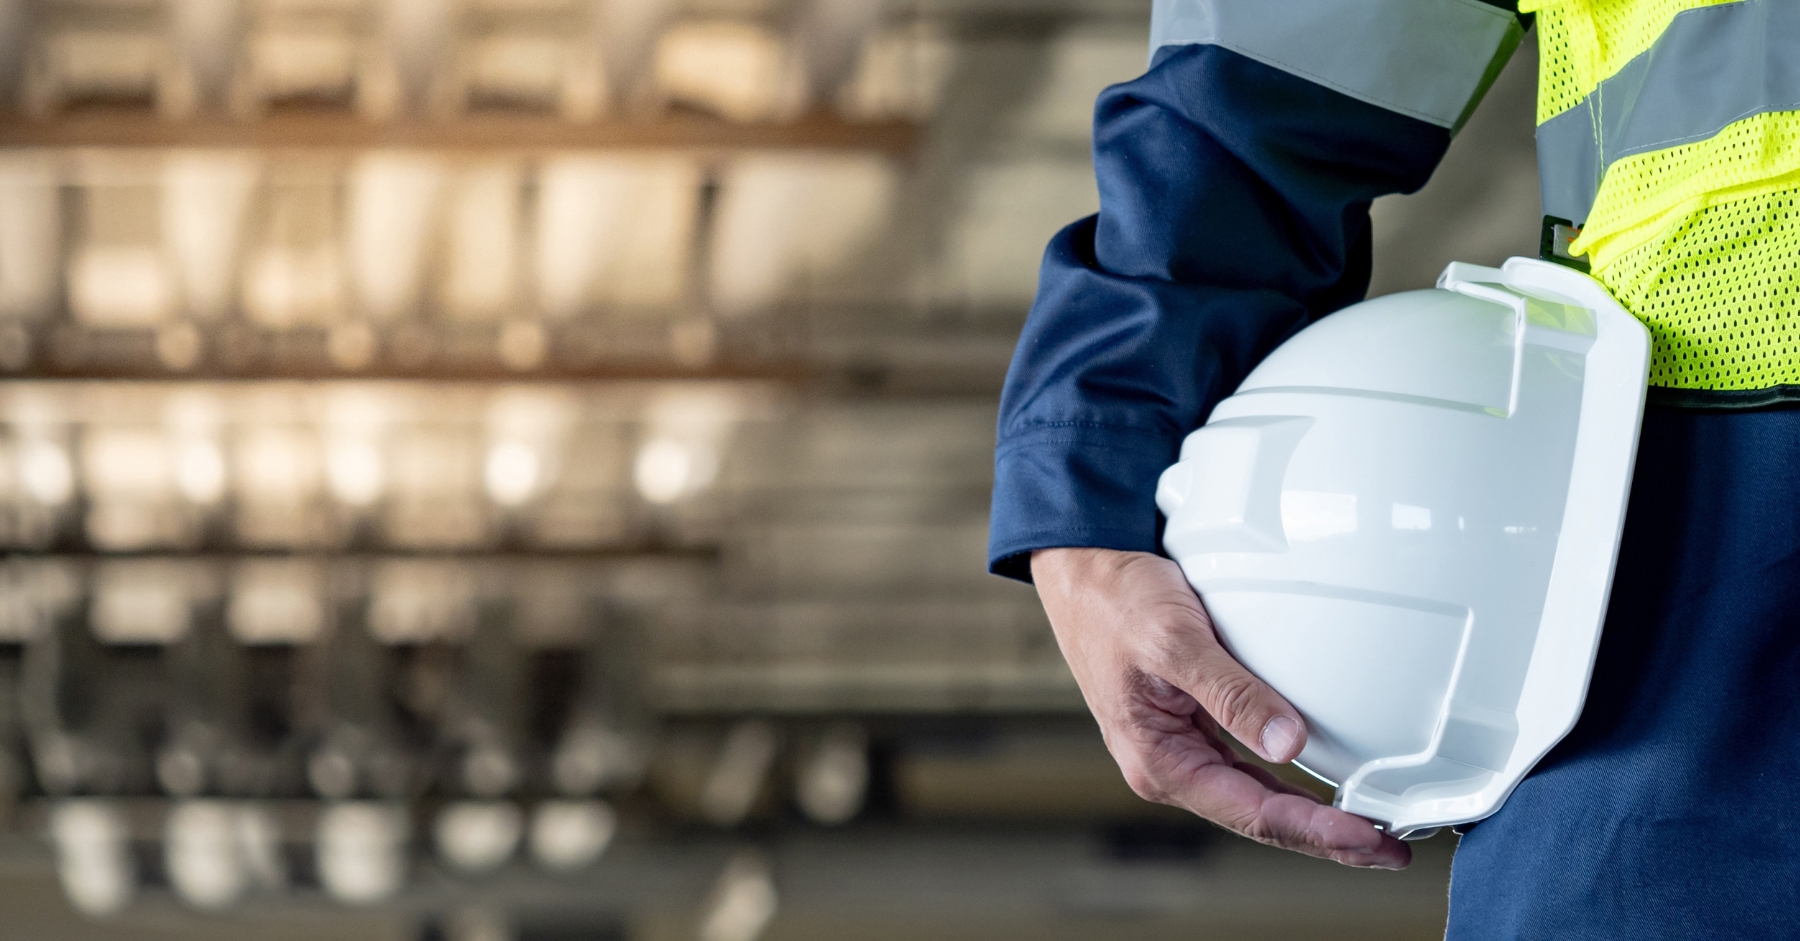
x,y
1234,210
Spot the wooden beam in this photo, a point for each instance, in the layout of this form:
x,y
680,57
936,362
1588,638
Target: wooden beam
x,y
121,128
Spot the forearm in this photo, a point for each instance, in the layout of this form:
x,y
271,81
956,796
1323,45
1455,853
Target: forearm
x,y
1234,211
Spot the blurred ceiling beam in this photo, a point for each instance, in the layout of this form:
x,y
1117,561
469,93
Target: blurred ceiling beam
x,y
496,133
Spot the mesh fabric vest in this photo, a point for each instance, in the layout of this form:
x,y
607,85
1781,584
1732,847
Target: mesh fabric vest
x,y
1669,131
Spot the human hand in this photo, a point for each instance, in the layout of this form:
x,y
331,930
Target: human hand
x,y
1161,686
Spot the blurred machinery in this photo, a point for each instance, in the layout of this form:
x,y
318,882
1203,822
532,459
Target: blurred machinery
x,y
447,441
521,463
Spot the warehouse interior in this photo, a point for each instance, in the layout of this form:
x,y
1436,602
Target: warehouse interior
x,y
510,470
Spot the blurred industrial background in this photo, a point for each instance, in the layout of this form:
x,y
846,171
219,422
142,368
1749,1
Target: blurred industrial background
x,y
494,470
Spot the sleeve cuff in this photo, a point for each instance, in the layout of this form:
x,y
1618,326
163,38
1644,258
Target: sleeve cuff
x,y
1075,485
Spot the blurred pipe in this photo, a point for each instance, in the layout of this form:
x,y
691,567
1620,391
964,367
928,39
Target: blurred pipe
x,y
738,775
572,221
204,199
608,736
834,779
742,902
15,33
488,718
393,203
744,72
830,37
787,223
30,232
404,75
417,33
613,230
359,747
626,33
206,36
482,277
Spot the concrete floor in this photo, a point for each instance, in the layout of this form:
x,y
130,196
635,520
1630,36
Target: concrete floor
x,y
874,882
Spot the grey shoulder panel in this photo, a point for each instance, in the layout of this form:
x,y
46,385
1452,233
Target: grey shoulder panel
x,y
1427,59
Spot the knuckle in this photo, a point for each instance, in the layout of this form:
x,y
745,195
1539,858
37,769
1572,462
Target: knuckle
x,y
1233,699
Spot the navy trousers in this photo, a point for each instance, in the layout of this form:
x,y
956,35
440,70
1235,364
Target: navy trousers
x,y
1673,808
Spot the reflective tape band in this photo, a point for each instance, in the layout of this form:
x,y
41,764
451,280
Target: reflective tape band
x,y
1427,59
1569,166
1712,67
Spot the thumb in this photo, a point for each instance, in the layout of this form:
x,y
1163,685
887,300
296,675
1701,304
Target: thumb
x,y
1245,706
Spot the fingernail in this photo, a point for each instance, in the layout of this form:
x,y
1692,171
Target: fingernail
x,y
1278,738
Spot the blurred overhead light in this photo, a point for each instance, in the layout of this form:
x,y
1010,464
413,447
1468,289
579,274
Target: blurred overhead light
x,y
668,469
200,470
512,472
45,473
277,465
354,471
141,601
276,602
284,285
419,601
126,463
93,855
200,844
567,835
477,836
361,849
120,286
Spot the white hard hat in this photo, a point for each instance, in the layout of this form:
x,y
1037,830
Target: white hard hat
x,y
1405,521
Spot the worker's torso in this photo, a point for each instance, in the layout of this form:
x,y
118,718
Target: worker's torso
x,y
1669,131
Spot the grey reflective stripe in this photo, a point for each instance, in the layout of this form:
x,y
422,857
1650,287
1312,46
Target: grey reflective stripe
x,y
1569,166
1711,67
1428,59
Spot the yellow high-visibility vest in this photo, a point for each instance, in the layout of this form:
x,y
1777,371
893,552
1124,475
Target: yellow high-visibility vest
x,y
1669,139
